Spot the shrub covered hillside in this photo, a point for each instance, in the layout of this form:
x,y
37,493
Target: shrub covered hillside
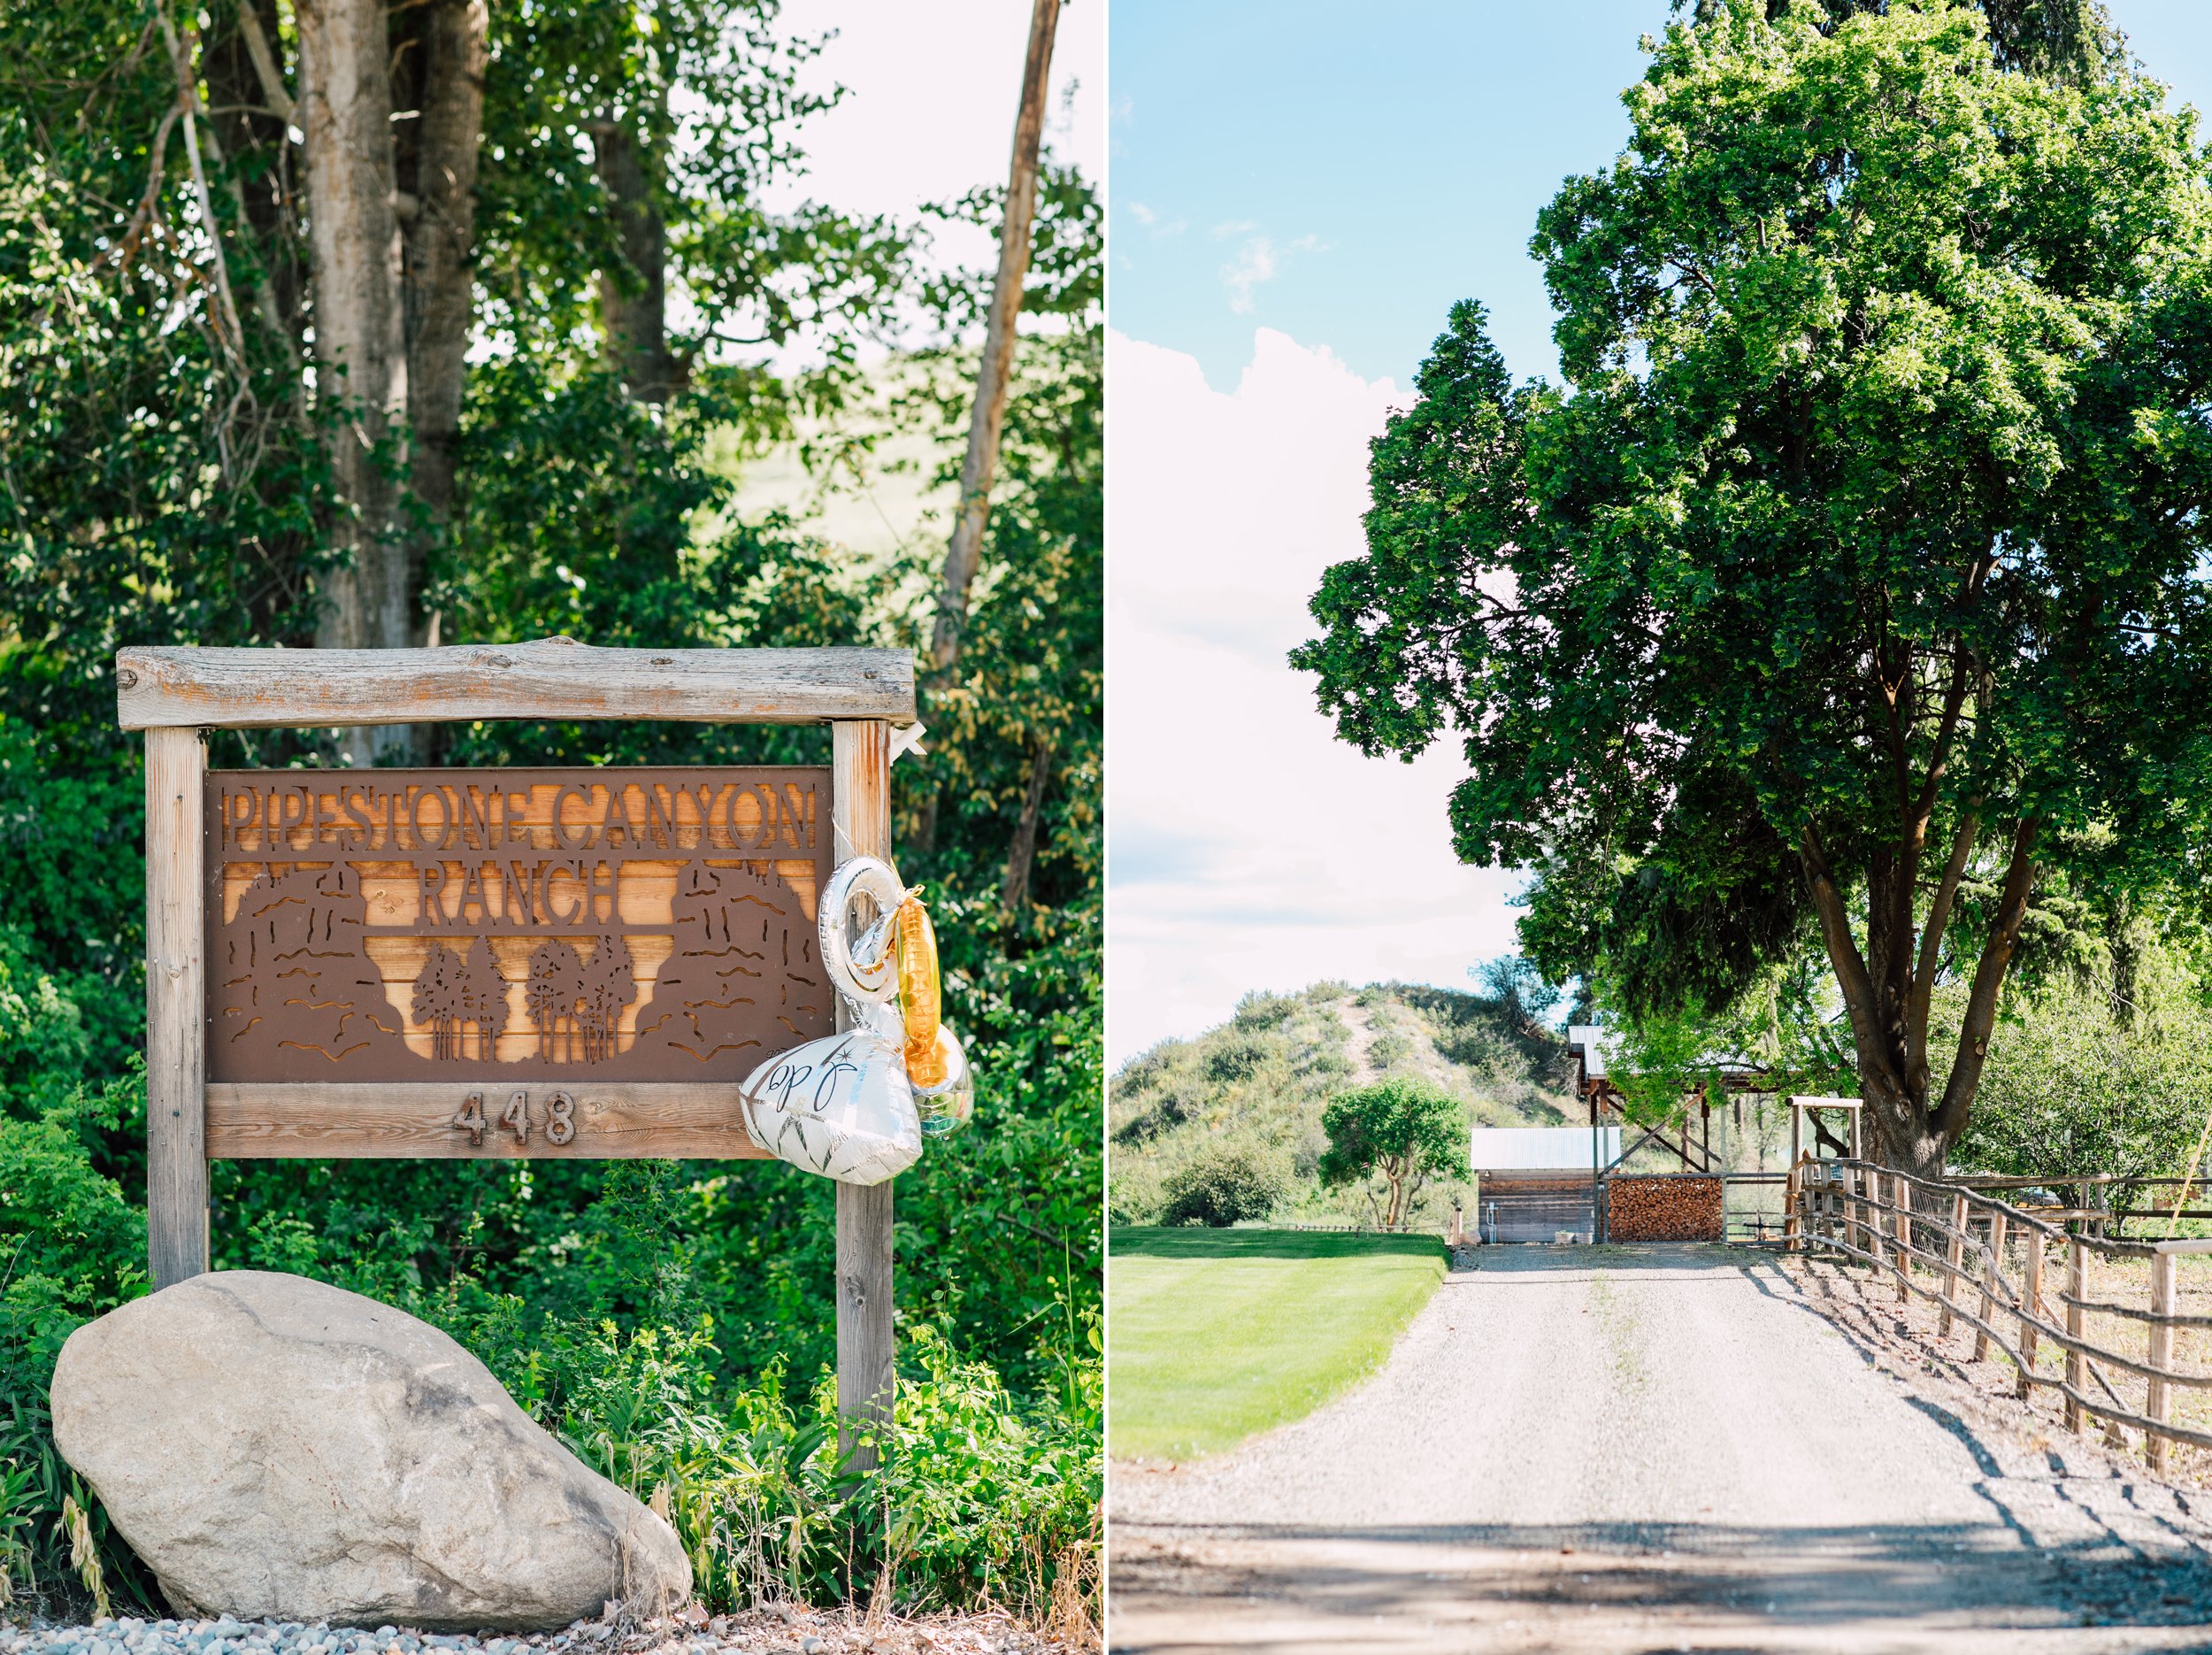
x,y
1228,1126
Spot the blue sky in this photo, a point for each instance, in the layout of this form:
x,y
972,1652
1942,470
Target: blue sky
x,y
1385,159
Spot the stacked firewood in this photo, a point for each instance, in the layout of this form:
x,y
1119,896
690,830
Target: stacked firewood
x,y
1664,1209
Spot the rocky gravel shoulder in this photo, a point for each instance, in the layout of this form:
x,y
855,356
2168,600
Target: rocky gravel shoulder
x,y
775,1630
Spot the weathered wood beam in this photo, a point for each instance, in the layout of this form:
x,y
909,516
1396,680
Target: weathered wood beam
x,y
548,678
861,814
334,1121
176,1006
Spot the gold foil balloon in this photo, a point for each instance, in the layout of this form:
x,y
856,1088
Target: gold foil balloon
x,y
854,1106
920,994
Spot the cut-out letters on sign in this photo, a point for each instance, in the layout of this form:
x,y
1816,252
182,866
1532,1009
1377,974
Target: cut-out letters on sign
x,y
493,926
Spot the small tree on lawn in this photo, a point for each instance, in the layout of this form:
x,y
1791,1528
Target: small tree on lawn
x,y
1403,1130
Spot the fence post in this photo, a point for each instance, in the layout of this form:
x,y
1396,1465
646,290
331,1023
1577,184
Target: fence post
x,y
2161,1354
1992,1273
1791,1192
2076,1290
1952,1256
1876,1228
2031,1296
1901,1183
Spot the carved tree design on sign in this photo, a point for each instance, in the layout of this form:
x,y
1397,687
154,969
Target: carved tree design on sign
x,y
556,984
484,997
440,998
608,987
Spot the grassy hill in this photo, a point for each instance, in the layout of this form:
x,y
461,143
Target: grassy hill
x,y
1257,1085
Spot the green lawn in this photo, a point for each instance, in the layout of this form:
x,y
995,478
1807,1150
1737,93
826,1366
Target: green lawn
x,y
1213,1334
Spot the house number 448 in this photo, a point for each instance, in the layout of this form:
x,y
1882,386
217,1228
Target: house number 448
x,y
560,1118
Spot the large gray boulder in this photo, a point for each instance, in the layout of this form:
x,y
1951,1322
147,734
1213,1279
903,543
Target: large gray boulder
x,y
276,1447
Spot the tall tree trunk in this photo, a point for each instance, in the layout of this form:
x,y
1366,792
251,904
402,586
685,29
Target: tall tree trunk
x,y
1888,1030
344,107
988,417
439,63
1023,852
634,300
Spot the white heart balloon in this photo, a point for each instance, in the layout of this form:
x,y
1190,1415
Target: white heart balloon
x,y
840,1105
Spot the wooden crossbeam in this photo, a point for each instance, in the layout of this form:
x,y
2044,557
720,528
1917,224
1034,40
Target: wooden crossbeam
x,y
548,678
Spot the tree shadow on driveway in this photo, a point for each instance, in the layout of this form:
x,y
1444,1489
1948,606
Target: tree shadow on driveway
x,y
1631,1586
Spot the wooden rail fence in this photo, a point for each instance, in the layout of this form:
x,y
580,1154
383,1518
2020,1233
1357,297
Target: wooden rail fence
x,y
1919,1230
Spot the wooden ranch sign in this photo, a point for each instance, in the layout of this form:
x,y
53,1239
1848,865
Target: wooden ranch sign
x,y
506,962
449,963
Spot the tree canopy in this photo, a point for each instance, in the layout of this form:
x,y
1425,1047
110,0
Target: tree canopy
x,y
1854,584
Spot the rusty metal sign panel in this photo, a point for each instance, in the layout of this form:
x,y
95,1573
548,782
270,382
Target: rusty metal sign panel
x,y
482,926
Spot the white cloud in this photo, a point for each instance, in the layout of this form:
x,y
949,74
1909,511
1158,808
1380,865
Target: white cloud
x,y
1248,848
1150,219
1254,264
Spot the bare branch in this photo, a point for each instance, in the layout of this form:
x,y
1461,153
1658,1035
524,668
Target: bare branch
x,y
1931,940
189,98
264,63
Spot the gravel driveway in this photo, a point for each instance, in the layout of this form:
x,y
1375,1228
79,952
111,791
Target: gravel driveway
x,y
1639,1449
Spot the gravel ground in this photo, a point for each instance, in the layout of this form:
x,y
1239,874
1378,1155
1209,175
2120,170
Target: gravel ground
x,y
1630,1449
776,1631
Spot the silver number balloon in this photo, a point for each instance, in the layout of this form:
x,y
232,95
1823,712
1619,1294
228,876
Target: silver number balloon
x,y
866,967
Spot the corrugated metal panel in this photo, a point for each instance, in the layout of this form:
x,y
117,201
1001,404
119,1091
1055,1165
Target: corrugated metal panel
x,y
1595,1043
1534,1148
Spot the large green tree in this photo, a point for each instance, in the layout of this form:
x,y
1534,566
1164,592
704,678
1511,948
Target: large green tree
x,y
1854,583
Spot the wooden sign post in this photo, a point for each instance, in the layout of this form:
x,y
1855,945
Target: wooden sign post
x,y
577,963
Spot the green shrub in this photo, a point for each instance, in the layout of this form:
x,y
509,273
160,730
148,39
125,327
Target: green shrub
x,y
1226,1184
1389,1049
1237,1057
1259,1010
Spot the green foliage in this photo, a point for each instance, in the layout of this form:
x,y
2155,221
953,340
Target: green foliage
x,y
977,1497
1868,517
71,1247
2072,1086
1254,1089
1226,1184
162,482
1402,1130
